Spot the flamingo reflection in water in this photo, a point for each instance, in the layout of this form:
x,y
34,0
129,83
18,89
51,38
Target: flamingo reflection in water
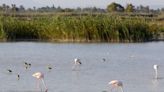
x,y
156,70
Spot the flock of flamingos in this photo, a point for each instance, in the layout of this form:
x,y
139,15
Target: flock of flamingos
x,y
77,63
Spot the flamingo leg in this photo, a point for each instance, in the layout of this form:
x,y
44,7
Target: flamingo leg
x,y
44,85
111,89
122,89
38,86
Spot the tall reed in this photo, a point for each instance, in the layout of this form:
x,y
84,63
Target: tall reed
x,y
88,28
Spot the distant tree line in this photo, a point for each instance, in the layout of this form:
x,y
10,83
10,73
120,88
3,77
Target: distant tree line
x,y
20,9
112,7
115,7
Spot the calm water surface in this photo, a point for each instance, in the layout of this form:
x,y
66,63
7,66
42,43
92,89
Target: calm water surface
x,y
129,62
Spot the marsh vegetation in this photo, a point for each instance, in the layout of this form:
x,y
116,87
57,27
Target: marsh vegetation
x,y
81,25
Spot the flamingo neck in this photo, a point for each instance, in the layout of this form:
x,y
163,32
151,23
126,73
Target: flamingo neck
x,y
44,85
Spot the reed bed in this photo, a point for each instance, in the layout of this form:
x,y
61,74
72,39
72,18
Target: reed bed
x,y
100,28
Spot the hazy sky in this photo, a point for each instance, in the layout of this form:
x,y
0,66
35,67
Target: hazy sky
x,y
82,3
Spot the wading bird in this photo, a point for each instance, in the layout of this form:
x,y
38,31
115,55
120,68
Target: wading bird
x,y
77,61
49,67
40,77
116,84
9,70
156,70
77,64
103,59
18,76
27,65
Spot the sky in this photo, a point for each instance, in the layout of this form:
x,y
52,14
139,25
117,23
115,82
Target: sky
x,y
82,3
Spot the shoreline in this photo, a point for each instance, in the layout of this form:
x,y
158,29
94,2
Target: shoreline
x,y
78,41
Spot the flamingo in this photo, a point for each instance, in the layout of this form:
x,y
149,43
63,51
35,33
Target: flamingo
x,y
116,84
77,63
40,76
156,70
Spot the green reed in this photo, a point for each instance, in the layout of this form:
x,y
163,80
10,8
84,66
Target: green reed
x,y
88,28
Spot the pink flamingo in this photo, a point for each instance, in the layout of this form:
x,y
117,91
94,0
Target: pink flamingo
x,y
116,84
40,76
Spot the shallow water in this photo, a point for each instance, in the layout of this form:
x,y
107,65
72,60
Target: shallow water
x,y
132,63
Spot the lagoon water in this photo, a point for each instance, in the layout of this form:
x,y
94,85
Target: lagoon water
x,y
132,63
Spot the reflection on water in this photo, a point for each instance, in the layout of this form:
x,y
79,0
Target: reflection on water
x,y
155,85
102,62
